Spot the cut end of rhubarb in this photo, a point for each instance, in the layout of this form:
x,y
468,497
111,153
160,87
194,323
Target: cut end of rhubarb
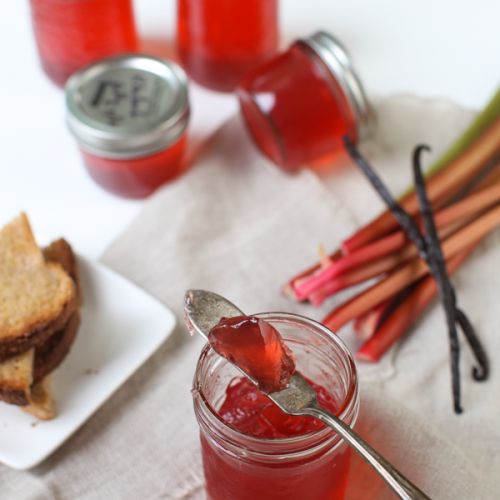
x,y
289,291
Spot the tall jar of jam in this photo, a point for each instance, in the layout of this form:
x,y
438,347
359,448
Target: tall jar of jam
x,y
221,40
129,115
300,104
250,448
73,33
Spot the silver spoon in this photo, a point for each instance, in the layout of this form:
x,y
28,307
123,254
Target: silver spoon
x,y
203,310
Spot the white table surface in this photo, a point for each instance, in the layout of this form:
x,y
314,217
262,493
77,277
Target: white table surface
x,y
436,49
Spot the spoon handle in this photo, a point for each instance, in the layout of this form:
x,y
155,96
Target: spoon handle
x,y
399,483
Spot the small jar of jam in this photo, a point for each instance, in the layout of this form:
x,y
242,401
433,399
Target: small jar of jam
x,y
250,448
221,40
71,34
300,104
129,115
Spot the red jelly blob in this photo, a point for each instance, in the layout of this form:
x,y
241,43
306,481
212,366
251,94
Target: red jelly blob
x,y
257,348
246,409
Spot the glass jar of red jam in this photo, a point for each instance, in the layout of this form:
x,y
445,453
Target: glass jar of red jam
x,y
129,115
299,105
250,448
71,34
221,40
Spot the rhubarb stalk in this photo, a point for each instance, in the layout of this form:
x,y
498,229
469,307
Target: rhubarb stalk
x,y
364,261
370,270
461,170
407,313
366,325
431,251
484,120
411,272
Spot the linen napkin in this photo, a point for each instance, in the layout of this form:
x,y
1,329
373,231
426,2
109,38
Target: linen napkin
x,y
237,225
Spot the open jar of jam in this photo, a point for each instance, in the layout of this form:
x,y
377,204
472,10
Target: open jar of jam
x,y
221,40
250,448
71,34
129,115
299,105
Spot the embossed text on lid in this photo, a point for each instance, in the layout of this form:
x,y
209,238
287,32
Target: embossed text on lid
x,y
127,106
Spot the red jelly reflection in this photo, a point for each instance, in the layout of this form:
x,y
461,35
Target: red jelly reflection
x,y
73,33
129,115
221,40
300,104
257,348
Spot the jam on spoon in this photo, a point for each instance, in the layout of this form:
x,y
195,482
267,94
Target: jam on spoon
x,y
257,348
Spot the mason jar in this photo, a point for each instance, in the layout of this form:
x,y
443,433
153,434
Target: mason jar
x,y
313,466
70,34
299,105
129,115
221,40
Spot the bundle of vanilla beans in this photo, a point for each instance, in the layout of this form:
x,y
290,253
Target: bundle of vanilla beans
x,y
414,246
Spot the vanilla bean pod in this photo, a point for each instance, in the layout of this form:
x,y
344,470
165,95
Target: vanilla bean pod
x,y
435,255
448,294
482,371
429,249
404,219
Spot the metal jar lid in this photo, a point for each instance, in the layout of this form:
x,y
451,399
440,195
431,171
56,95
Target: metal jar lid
x,y
335,57
128,106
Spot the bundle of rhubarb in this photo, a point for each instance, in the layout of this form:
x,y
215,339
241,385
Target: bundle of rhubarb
x,y
463,193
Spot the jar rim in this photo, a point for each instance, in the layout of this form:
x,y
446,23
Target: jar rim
x,y
291,446
336,58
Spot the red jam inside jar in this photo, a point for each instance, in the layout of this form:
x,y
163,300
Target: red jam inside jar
x,y
250,448
221,40
129,115
299,105
137,177
246,409
71,34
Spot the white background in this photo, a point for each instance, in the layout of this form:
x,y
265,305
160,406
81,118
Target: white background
x,y
431,48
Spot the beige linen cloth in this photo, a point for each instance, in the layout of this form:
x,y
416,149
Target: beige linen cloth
x,y
238,226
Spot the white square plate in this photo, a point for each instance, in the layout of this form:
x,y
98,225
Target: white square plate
x,y
121,327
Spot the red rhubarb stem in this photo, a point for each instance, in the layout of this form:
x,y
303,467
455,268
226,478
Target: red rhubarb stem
x,y
378,257
370,270
414,270
407,313
444,183
306,285
366,325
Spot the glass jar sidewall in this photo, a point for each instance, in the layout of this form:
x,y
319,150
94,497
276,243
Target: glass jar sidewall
x,y
279,143
235,443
